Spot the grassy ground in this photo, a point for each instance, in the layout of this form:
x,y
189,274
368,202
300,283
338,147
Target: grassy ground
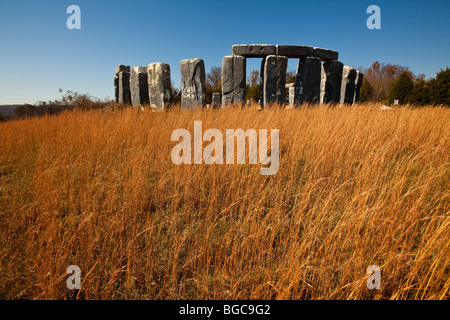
x,y
356,187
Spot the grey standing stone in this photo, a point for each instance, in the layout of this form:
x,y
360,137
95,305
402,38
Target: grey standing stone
x,y
307,81
274,80
331,80
261,83
192,83
139,85
119,68
233,79
294,51
325,54
124,87
254,50
291,96
116,88
358,83
215,100
122,67
159,85
348,85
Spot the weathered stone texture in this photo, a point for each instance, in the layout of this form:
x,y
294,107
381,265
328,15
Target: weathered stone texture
x,y
215,101
122,67
331,80
124,87
358,83
307,81
233,79
254,50
294,51
274,80
348,85
325,54
139,85
159,85
119,68
192,83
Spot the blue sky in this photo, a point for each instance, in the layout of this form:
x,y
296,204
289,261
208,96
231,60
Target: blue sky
x,y
39,54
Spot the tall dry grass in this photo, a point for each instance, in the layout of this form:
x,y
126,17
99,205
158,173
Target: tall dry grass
x,y
356,187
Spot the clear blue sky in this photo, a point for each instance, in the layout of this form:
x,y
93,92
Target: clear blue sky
x,y
39,54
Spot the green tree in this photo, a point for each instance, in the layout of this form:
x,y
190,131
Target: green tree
x,y
366,92
401,88
420,95
440,88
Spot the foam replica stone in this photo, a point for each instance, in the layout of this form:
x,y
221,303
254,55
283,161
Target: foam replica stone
x,y
254,50
325,54
192,83
139,85
294,51
122,67
119,68
307,81
215,100
348,85
274,80
159,85
331,80
233,79
358,83
124,87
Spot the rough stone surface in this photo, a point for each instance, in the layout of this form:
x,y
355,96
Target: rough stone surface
x,y
119,68
215,102
274,80
122,67
294,51
233,79
116,88
331,80
348,85
192,83
139,85
358,83
254,50
261,82
159,85
124,87
291,96
307,81
325,54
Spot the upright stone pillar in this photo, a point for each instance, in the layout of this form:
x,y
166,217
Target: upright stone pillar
x,y
159,85
192,83
307,81
291,92
331,80
124,87
274,80
215,102
261,82
119,68
348,85
358,83
139,85
233,79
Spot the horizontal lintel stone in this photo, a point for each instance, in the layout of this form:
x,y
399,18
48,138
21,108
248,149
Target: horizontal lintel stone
x,y
291,51
254,50
325,54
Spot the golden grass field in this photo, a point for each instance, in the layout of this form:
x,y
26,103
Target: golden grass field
x,y
356,187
